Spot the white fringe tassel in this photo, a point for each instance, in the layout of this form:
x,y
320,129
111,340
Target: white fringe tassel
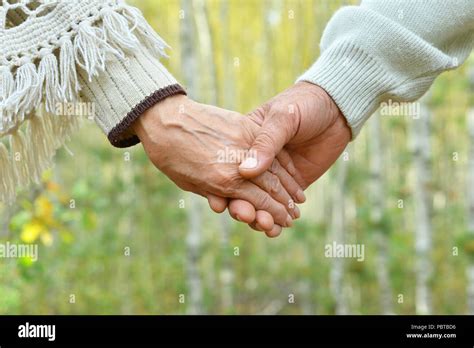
x,y
29,94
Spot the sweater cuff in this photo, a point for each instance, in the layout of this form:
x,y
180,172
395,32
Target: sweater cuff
x,y
354,80
126,89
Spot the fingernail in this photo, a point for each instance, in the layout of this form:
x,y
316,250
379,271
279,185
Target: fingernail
x,y
238,217
289,221
297,212
300,196
249,163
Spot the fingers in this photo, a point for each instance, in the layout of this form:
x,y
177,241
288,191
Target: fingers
x,y
286,162
263,221
261,200
274,232
270,183
217,204
245,212
242,211
289,183
271,138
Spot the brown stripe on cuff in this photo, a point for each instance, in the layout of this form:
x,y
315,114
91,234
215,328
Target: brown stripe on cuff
x,y
116,135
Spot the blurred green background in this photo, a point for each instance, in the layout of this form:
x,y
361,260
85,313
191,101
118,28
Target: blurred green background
x,y
115,236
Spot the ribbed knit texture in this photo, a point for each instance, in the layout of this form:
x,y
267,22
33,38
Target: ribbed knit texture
x,y
122,87
394,50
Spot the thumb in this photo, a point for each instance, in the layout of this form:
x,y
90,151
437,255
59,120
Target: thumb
x,y
271,138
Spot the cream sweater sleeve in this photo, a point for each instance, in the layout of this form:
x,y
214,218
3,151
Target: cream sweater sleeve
x,y
390,49
54,56
124,90
130,82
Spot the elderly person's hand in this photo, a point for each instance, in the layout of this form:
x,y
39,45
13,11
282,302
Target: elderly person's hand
x,y
185,140
309,125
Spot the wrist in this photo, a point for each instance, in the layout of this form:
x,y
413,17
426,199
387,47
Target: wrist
x,y
154,117
326,103
324,99
170,106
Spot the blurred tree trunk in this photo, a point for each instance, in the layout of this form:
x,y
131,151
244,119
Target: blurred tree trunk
x,y
125,228
305,284
229,89
376,156
189,56
338,236
209,87
206,40
297,16
6,215
422,202
271,12
470,196
193,243
226,275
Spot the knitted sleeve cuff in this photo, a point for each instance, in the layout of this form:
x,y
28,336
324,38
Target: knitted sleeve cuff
x,y
125,90
353,80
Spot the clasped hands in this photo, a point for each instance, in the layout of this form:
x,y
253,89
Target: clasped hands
x,y
288,142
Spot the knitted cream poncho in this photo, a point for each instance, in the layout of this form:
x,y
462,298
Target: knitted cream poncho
x,y
57,52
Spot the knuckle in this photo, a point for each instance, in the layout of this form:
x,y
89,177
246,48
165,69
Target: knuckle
x,y
229,187
258,115
290,167
283,159
274,168
264,201
226,181
229,191
275,185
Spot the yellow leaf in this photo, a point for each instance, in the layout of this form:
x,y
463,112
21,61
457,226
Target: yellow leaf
x,y
44,209
31,231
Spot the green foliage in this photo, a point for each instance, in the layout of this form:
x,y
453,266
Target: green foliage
x,y
466,243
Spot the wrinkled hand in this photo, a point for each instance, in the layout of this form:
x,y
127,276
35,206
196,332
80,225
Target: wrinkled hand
x,y
184,139
309,125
